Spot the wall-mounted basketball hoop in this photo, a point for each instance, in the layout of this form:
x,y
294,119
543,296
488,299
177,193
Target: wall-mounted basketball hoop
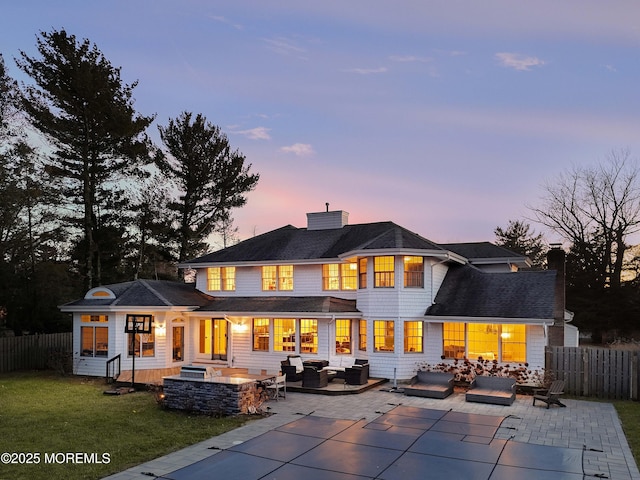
x,y
136,324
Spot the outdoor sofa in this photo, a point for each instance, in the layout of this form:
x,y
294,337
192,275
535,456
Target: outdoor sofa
x,y
496,390
430,384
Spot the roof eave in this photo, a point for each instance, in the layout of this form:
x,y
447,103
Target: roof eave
x,y
511,320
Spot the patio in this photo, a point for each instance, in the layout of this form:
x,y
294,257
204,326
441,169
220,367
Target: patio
x,y
532,441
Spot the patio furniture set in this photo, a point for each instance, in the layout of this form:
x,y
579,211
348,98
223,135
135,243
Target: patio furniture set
x,y
483,389
318,373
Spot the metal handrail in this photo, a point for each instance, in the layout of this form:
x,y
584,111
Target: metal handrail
x,y
112,364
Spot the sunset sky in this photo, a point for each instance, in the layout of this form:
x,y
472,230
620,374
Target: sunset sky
x,y
446,117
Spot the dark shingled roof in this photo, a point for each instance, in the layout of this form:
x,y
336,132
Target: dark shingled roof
x,y
480,250
469,292
149,293
291,243
281,304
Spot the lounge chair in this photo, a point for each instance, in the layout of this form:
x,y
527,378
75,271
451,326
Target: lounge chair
x,y
551,395
488,389
431,384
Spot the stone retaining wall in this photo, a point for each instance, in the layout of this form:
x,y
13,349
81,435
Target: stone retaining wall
x,y
211,398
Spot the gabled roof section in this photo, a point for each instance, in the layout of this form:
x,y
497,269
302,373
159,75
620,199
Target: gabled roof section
x,y
144,293
275,304
298,244
469,292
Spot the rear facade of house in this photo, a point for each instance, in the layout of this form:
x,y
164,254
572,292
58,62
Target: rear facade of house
x,y
331,291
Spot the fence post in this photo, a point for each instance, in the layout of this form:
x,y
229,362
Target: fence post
x,y
633,376
586,387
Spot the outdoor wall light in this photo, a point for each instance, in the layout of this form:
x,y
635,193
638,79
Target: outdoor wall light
x,y
240,327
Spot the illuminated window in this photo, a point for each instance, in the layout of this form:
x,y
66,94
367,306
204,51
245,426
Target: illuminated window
x,y
505,343
383,335
284,335
144,344
413,337
453,340
331,276
95,341
362,273
362,335
261,334
285,277
413,272
383,272
514,343
308,335
221,278
482,341
277,277
339,276
94,318
343,336
178,343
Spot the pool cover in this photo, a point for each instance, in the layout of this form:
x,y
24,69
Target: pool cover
x,y
405,443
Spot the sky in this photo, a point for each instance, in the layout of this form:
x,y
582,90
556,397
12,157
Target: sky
x,y
446,117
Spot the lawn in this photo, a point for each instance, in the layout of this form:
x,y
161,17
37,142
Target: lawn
x,y
629,413
46,417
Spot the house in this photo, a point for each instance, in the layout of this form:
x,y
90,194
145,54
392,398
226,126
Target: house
x,y
330,291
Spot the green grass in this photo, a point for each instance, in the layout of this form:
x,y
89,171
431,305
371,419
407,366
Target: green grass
x,y
629,413
46,414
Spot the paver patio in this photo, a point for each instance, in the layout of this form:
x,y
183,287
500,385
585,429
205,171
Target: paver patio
x,y
590,431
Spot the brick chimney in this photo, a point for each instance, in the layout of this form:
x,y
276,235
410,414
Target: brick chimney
x,y
556,260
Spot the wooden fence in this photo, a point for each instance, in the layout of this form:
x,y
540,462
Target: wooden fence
x,y
33,352
595,372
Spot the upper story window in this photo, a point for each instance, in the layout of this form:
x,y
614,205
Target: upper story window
x,y
413,272
339,276
221,278
362,273
383,272
277,277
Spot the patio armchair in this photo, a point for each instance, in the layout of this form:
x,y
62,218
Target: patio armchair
x,y
292,367
551,395
312,378
357,374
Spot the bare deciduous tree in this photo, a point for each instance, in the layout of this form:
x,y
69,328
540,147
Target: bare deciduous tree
x,y
596,206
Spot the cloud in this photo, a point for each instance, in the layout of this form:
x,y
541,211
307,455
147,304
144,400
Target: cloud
x,y
409,59
367,71
285,46
258,133
299,149
226,21
518,61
